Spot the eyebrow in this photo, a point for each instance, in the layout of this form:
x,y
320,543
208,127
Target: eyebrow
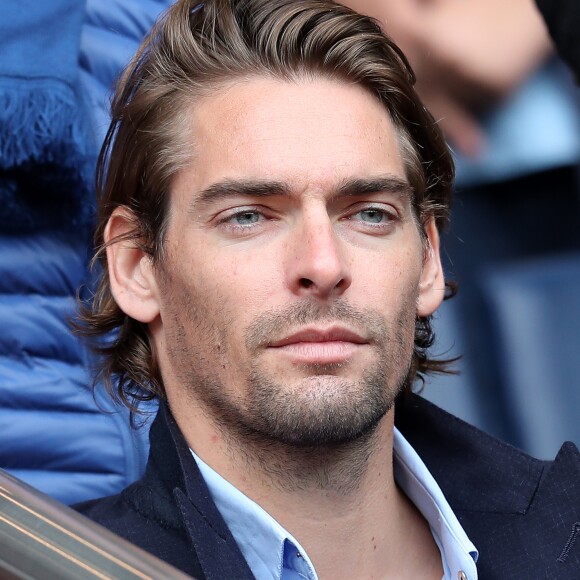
x,y
233,188
382,184
229,188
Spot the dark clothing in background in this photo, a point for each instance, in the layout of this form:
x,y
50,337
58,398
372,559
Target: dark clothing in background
x,y
506,228
563,20
522,514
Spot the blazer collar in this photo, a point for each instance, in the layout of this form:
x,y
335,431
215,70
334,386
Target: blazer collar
x,y
522,514
474,470
183,501
488,483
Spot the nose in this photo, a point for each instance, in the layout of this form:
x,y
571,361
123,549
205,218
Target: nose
x,y
317,265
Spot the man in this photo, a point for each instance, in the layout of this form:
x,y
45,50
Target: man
x,y
272,192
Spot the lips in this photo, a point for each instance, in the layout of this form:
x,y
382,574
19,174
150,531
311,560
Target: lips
x,y
313,335
314,346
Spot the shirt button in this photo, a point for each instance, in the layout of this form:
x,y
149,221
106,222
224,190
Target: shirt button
x,y
461,575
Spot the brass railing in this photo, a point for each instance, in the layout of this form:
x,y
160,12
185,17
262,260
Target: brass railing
x,y
42,539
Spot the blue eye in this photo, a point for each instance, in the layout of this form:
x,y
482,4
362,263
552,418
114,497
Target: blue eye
x,y
372,215
246,218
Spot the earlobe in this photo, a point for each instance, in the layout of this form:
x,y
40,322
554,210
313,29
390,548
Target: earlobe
x,y
432,283
131,274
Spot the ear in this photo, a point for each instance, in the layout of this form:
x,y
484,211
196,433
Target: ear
x,y
131,275
432,283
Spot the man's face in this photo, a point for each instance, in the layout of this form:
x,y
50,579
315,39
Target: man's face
x,y
293,267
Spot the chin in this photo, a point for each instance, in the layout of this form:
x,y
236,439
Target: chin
x,y
319,410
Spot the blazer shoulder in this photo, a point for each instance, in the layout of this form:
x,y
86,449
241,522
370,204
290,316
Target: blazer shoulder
x,y
475,471
128,515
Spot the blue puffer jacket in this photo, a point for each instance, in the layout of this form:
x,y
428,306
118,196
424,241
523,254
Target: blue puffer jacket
x,y
54,433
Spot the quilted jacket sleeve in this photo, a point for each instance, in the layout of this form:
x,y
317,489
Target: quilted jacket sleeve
x,y
54,433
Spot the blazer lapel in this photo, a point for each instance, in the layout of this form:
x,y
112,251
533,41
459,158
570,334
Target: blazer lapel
x,y
522,514
215,547
218,553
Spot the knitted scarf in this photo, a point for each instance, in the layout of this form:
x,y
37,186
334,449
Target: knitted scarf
x,y
46,148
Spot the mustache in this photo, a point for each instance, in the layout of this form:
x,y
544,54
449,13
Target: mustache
x,y
275,325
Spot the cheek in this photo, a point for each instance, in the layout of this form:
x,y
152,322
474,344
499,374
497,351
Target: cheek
x,y
219,305
221,278
393,278
251,281
191,308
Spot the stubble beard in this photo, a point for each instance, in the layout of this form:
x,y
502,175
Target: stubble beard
x,y
320,431
322,409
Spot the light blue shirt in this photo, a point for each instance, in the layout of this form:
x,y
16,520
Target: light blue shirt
x,y
273,553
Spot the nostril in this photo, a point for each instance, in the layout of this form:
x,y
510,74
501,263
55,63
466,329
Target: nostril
x,y
306,283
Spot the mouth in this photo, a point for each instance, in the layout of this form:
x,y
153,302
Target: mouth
x,y
320,346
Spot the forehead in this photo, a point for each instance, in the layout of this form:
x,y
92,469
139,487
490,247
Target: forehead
x,y
311,134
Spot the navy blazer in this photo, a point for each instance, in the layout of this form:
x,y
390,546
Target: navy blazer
x,y
522,514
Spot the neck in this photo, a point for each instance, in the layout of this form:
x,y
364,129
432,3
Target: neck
x,y
333,499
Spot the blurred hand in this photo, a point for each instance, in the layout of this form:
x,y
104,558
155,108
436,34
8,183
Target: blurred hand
x,y
467,54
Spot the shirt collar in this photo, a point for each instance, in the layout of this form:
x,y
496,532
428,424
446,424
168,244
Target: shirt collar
x,y
457,551
261,539
265,543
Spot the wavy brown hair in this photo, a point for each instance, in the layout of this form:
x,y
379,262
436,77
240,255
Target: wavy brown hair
x,y
194,50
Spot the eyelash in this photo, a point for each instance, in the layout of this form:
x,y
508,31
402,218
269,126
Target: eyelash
x,y
227,221
389,216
